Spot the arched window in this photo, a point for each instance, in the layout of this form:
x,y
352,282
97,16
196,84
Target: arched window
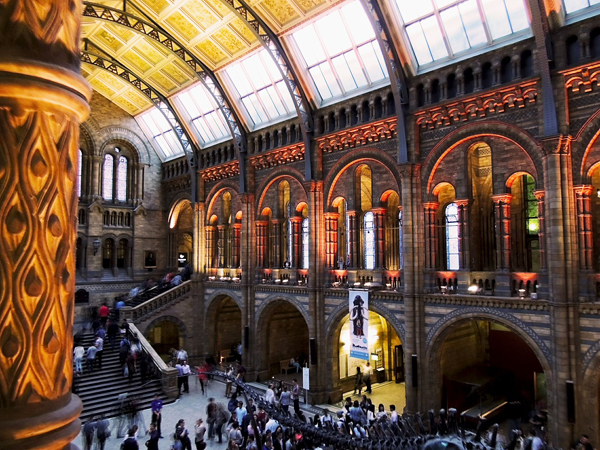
x,y
289,233
122,179
107,254
400,240
79,165
369,227
452,250
122,253
107,177
305,252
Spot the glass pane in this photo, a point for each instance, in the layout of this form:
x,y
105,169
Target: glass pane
x,y
160,120
162,144
497,19
239,79
107,177
285,96
211,120
257,115
122,179
575,5
202,129
453,262
411,9
327,72
268,104
333,34
270,66
419,43
472,23
454,29
221,124
188,104
320,82
309,45
358,23
343,72
355,68
277,100
435,40
255,71
518,15
202,99
371,62
173,141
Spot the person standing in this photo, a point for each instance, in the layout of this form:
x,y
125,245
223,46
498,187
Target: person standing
x,y
296,399
130,442
583,443
200,430
103,313
112,331
99,343
182,435
88,434
152,443
358,381
211,415
368,371
185,373
284,400
78,353
102,431
91,357
270,395
156,406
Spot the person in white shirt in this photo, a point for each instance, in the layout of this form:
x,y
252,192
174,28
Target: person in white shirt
x,y
272,425
185,373
393,414
270,395
367,372
240,412
78,353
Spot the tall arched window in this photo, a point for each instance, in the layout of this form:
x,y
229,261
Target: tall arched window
x,y
122,253
79,165
122,179
369,227
305,252
400,240
289,233
107,254
452,250
107,177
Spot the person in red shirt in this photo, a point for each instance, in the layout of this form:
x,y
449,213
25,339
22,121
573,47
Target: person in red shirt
x,y
104,312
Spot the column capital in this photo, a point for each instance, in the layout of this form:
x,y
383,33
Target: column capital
x,y
502,198
378,210
331,215
539,195
351,213
431,205
584,189
464,202
296,219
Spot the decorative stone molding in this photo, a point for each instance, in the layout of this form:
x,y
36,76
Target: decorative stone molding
x,y
497,102
582,79
142,310
284,155
488,302
221,172
361,135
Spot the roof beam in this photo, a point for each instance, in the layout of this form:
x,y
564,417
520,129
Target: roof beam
x,y
270,42
394,68
204,74
163,105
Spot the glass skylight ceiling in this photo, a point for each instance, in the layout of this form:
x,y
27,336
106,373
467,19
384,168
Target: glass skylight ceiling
x,y
261,89
576,5
202,110
156,125
341,52
439,29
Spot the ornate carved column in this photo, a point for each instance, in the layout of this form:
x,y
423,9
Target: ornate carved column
x,y
296,241
43,99
352,240
379,222
502,205
210,246
584,226
237,234
464,244
276,242
261,243
542,232
431,245
331,244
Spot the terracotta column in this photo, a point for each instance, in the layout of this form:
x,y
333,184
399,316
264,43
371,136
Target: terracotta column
x,y
221,246
430,235
43,99
542,231
331,244
237,231
464,245
210,246
352,240
379,222
261,243
502,205
584,226
296,241
276,242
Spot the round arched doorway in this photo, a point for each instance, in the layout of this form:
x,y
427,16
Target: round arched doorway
x,y
164,336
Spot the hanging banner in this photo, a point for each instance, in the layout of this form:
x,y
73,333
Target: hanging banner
x,y
359,324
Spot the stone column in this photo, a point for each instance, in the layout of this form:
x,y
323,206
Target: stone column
x,y
221,245
331,244
379,222
237,231
43,99
502,205
584,226
296,241
276,242
261,243
464,244
542,232
210,245
430,235
96,171
352,240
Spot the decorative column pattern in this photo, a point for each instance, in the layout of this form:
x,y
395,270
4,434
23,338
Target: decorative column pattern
x,y
221,260
464,246
296,241
43,100
210,246
540,195
352,240
379,222
431,238
584,226
237,234
261,243
276,242
331,244
502,205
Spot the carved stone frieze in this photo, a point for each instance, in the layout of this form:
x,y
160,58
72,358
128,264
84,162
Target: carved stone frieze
x,y
284,155
357,136
221,172
582,79
497,102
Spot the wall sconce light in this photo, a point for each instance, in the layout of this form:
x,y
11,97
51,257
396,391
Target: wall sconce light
x,y
521,293
96,245
598,192
473,289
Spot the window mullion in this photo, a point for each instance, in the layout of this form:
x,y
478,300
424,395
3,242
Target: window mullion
x,y
329,60
438,17
486,29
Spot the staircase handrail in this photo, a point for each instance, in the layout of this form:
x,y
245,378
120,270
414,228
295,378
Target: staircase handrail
x,y
133,313
168,375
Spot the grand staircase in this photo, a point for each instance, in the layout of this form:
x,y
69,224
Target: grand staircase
x,y
99,391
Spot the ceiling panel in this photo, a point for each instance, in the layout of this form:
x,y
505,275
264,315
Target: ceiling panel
x,y
228,39
282,11
201,13
209,49
183,25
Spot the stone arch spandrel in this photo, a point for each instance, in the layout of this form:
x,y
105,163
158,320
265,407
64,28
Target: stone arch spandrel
x,y
212,305
267,305
280,174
